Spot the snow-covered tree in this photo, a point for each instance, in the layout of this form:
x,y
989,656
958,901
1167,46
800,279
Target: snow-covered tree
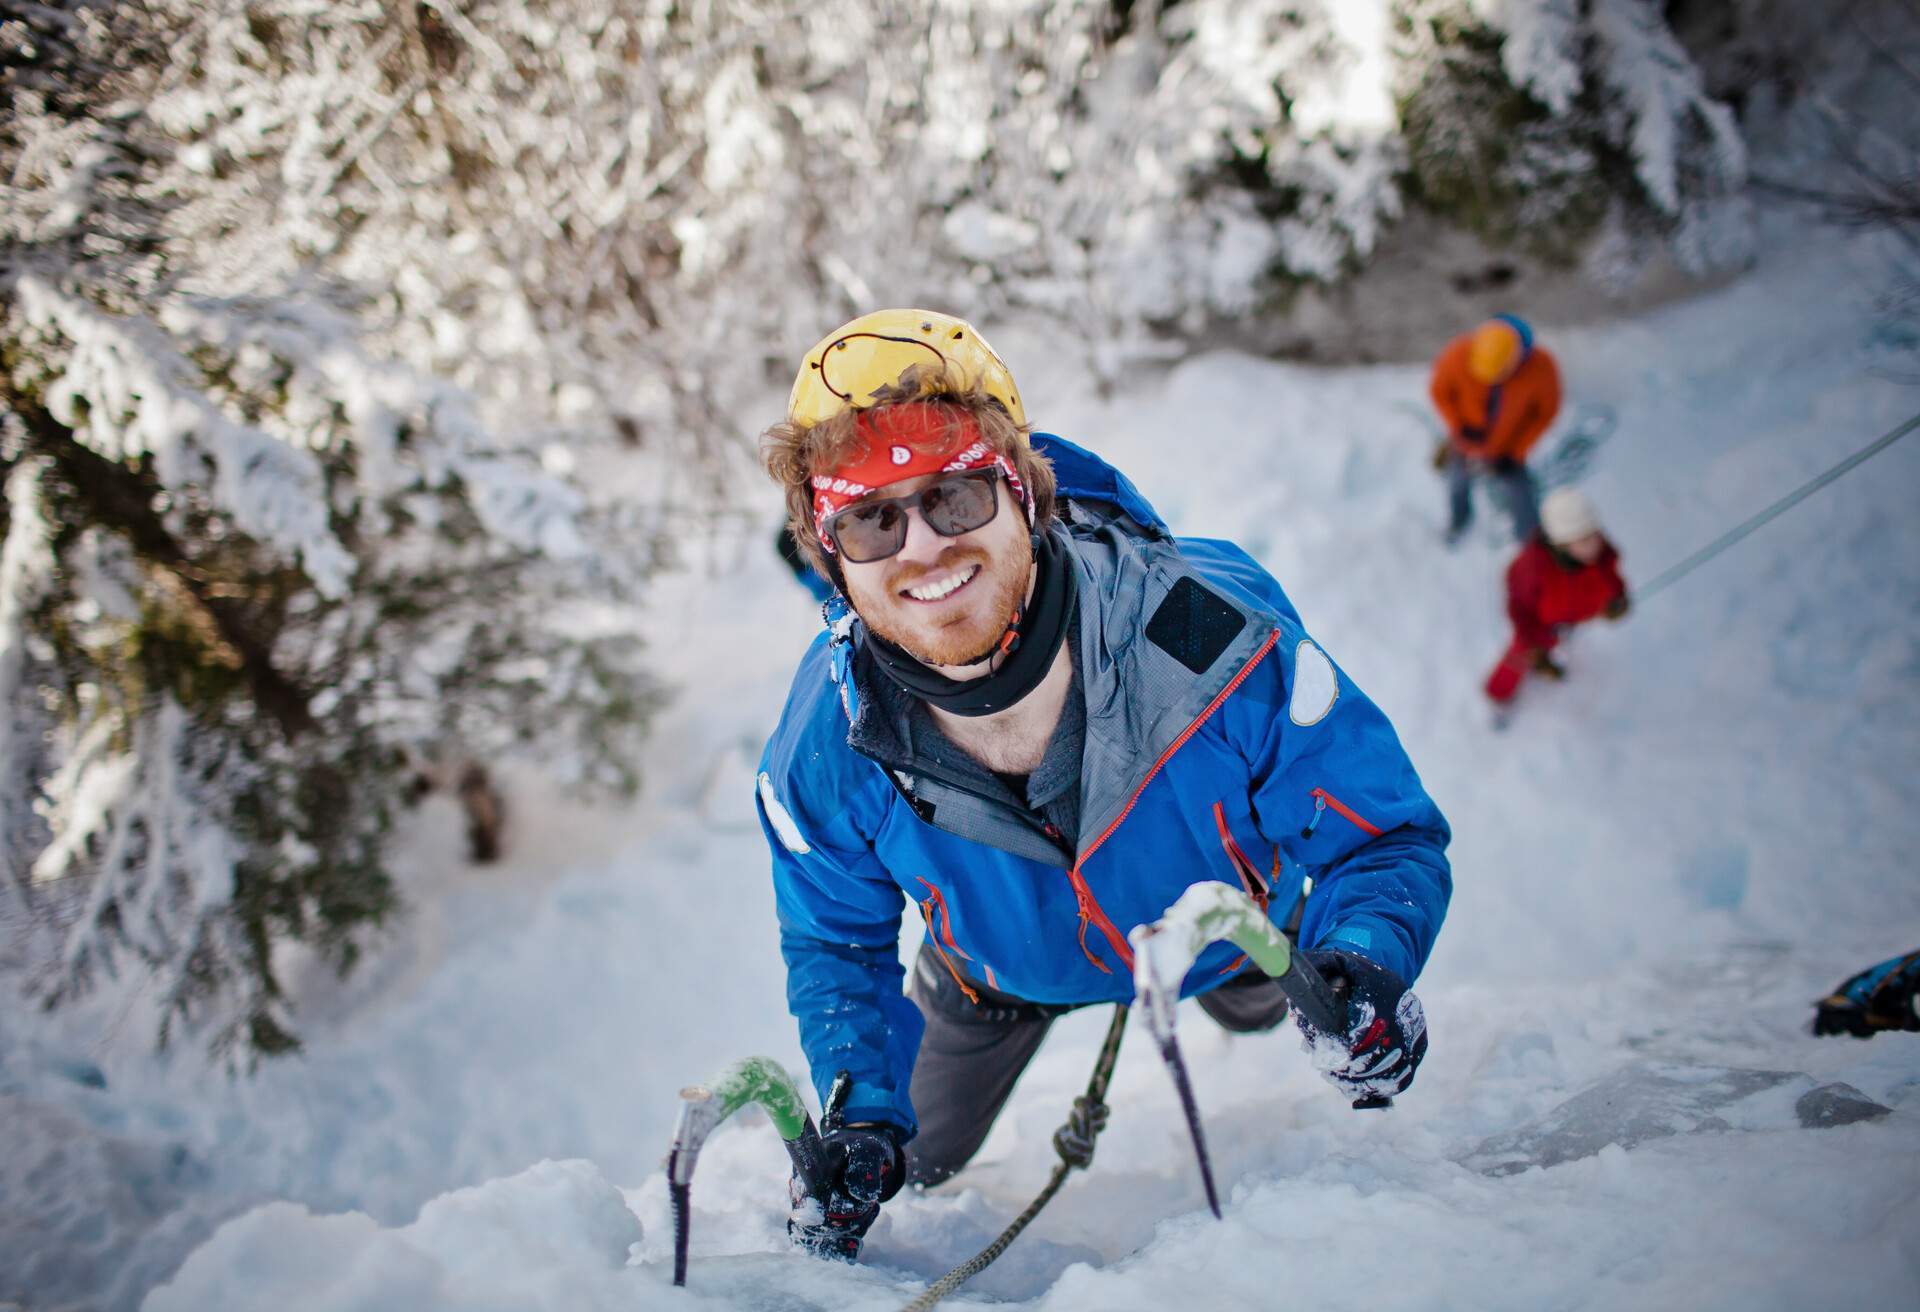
x,y
607,211
1831,103
252,569
1580,129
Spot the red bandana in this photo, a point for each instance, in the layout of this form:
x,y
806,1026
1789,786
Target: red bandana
x,y
896,449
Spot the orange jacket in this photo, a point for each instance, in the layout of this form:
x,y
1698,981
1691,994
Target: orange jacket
x,y
1492,423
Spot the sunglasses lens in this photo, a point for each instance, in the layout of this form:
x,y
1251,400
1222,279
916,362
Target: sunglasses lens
x,y
869,533
864,533
959,505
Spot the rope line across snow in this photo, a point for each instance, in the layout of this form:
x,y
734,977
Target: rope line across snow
x,y
1075,1146
1676,572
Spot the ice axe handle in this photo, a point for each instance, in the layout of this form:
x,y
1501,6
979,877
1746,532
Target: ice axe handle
x,y
1323,1005
809,1154
808,1150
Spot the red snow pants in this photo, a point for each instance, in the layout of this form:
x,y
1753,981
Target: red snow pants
x,y
1505,680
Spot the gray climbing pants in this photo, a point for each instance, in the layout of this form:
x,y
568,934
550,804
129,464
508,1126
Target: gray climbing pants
x,y
1513,486
973,1054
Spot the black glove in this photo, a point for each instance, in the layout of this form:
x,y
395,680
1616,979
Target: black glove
x,y
1618,607
1882,997
1387,1037
1505,465
866,1166
1471,435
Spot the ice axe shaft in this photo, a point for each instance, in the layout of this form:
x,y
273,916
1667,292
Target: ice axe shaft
x,y
1170,1053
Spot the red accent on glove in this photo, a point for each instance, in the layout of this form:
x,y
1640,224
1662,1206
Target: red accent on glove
x,y
1376,1034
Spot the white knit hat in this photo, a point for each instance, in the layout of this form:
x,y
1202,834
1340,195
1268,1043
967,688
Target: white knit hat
x,y
1566,516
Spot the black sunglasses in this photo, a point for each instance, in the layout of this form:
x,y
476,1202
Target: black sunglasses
x,y
873,530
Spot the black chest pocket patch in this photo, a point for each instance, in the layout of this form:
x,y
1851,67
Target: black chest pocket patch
x,y
1194,625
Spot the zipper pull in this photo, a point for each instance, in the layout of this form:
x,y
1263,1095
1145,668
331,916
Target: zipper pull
x,y
1319,809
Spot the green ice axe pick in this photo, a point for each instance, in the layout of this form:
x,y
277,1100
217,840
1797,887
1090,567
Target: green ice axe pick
x,y
702,1109
1163,953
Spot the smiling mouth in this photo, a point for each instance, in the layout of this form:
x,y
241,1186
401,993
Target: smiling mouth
x,y
943,587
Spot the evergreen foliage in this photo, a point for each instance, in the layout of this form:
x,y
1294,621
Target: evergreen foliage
x,y
1545,125
252,573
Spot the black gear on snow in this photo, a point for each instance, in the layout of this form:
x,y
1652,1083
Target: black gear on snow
x,y
1879,998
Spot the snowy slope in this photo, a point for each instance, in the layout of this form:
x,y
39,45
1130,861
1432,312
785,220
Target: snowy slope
x,y
1658,865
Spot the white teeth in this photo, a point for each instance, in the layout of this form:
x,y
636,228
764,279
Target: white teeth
x,y
935,591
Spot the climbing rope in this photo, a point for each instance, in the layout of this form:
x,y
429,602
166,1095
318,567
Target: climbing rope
x,y
1778,508
1073,1141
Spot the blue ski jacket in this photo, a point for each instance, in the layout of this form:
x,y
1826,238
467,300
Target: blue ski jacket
x,y
1221,744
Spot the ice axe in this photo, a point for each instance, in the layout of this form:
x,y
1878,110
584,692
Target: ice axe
x,y
703,1107
1163,953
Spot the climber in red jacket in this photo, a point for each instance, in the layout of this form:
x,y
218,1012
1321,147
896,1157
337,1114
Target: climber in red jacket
x,y
1566,574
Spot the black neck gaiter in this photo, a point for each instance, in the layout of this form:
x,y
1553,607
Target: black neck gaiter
x,y
1041,629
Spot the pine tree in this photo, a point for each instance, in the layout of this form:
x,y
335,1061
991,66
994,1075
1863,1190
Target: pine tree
x,y
1581,131
252,568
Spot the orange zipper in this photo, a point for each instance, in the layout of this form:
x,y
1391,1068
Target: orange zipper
x,y
936,899
1090,911
1250,879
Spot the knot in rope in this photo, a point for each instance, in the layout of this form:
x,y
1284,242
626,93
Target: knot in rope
x,y
1074,1140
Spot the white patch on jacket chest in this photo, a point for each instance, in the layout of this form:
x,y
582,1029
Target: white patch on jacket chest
x,y
780,818
1315,686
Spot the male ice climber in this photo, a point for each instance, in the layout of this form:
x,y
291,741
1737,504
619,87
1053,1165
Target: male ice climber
x,y
1040,718
1496,393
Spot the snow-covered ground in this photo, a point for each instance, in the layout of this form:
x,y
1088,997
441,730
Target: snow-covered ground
x,y
1658,865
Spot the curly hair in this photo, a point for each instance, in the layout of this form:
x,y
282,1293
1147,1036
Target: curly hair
x,y
792,453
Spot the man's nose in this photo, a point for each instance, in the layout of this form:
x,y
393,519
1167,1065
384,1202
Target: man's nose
x,y
923,546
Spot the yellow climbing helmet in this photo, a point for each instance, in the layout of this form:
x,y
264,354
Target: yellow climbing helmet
x,y
1497,347
847,366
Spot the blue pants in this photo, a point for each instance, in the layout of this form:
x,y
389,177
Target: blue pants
x,y
1512,486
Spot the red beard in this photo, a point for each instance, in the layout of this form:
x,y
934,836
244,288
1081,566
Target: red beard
x,y
955,632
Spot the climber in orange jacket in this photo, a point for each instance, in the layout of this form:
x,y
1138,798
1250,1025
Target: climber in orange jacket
x,y
1496,393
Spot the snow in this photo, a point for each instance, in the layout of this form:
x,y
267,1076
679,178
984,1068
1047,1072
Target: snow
x,y
1658,865
490,1247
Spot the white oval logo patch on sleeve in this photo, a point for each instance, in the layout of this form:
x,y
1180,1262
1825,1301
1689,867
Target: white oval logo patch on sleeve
x,y
780,819
1315,686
